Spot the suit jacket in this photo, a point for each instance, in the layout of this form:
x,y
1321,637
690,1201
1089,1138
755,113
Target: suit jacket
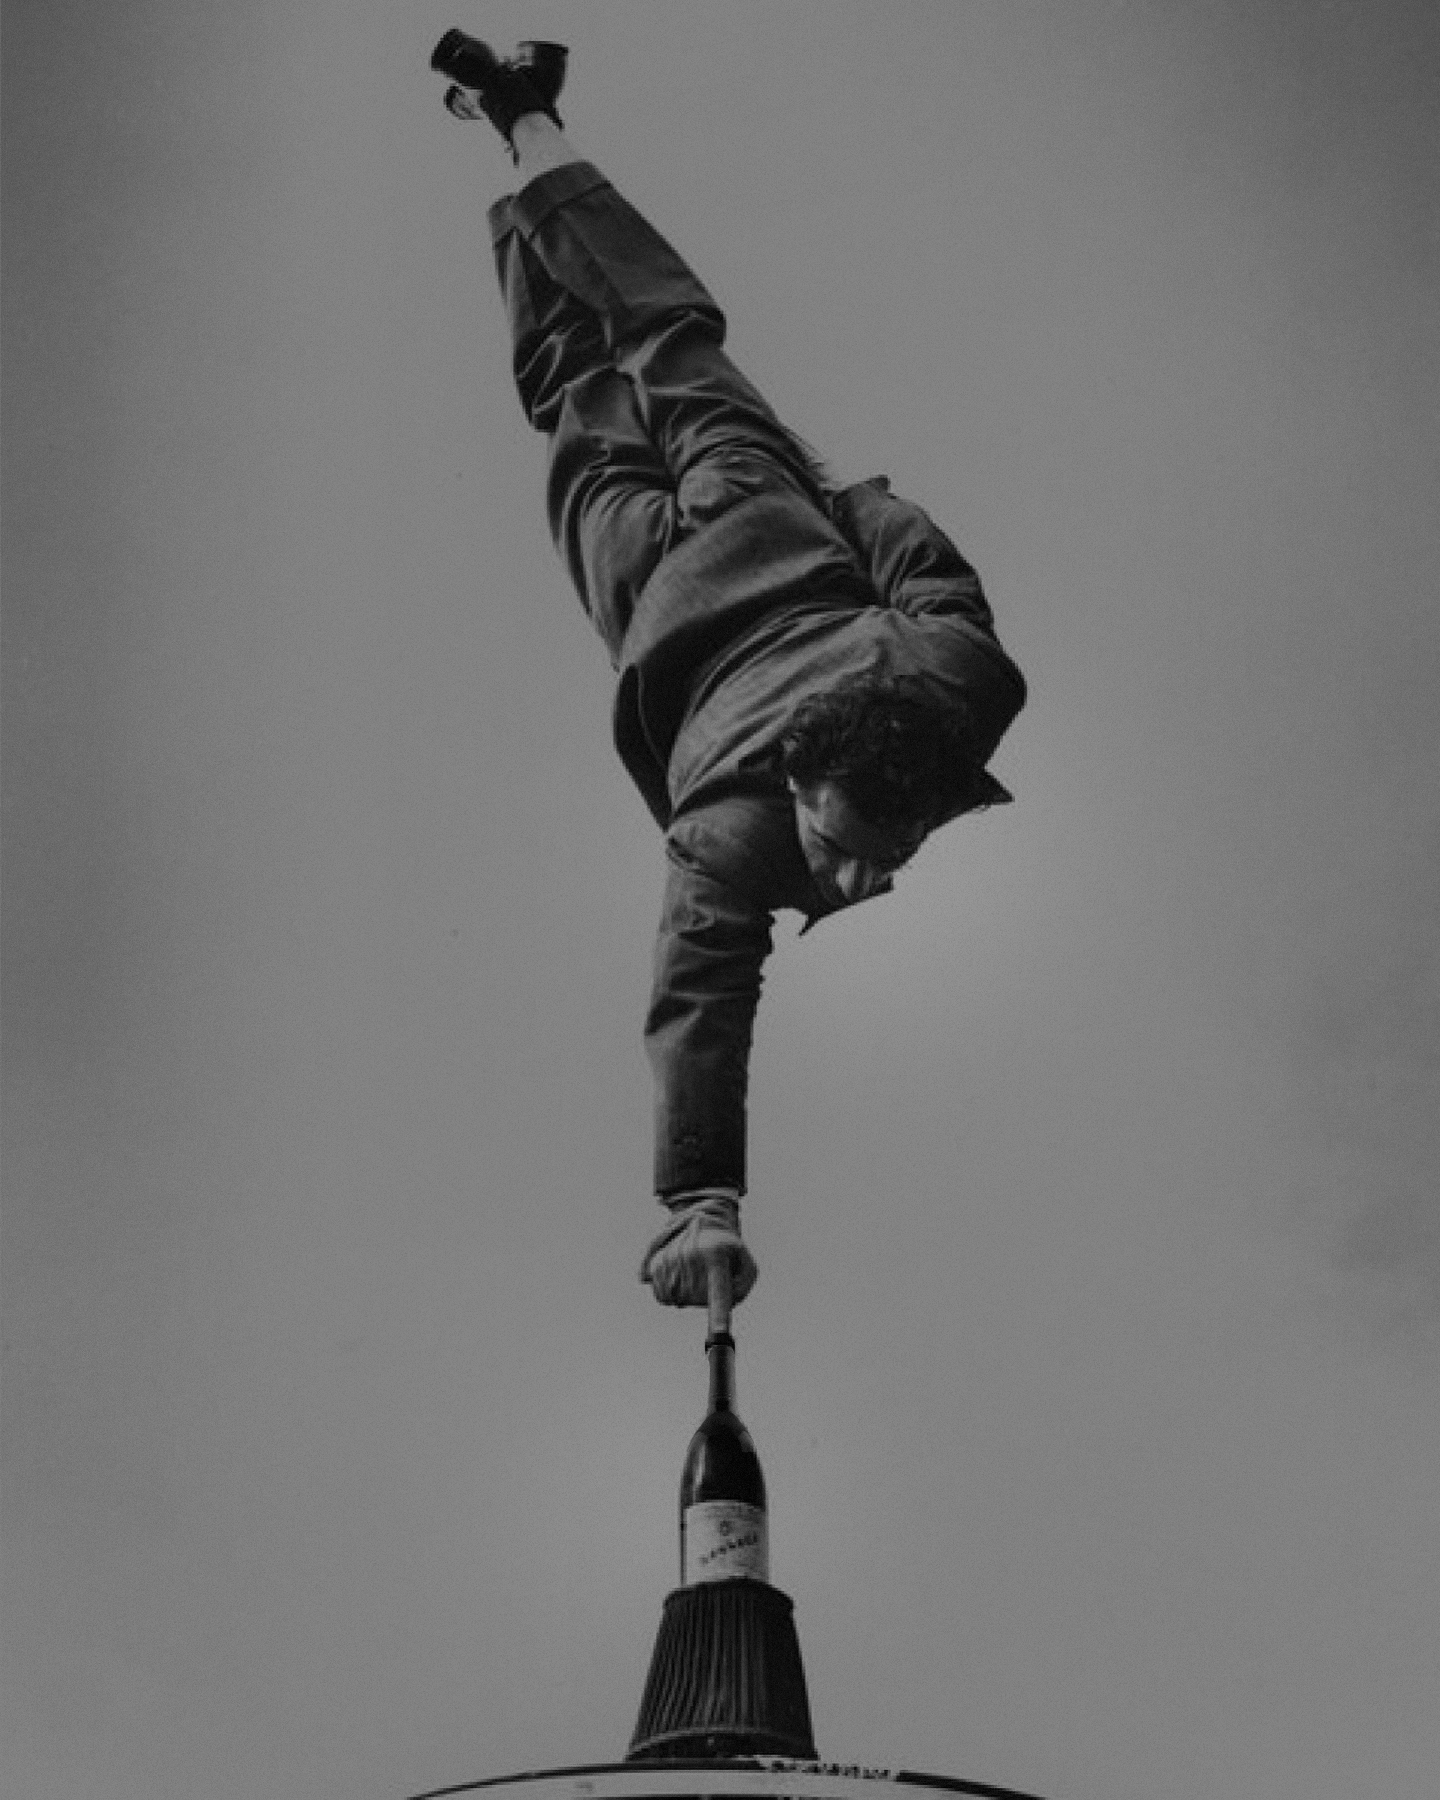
x,y
771,602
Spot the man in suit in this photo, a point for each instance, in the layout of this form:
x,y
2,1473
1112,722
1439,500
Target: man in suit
x,y
809,680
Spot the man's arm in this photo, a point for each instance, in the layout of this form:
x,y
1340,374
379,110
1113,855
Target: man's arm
x,y
712,943
909,561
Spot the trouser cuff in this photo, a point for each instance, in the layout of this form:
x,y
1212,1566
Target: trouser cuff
x,y
526,211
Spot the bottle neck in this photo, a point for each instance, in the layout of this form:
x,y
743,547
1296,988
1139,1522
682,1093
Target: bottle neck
x,y
721,1350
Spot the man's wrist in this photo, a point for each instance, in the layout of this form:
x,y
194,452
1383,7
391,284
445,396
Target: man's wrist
x,y
688,1196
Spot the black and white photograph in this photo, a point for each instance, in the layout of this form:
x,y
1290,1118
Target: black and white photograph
x,y
721,900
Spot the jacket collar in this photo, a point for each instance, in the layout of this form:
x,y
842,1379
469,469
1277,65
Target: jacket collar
x,y
828,908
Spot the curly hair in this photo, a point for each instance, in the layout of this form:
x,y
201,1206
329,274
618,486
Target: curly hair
x,y
900,760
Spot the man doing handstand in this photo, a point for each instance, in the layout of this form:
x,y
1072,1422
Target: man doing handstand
x,y
809,680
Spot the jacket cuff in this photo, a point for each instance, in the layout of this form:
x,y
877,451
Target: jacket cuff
x,y
697,1158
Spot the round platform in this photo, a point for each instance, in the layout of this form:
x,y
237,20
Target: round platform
x,y
747,1778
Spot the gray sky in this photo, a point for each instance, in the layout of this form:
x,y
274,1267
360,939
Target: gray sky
x,y
1093,1361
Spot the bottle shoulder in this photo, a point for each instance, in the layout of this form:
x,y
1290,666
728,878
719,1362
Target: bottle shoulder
x,y
722,1466
721,1433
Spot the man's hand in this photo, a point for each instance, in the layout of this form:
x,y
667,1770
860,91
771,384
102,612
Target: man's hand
x,y
703,1224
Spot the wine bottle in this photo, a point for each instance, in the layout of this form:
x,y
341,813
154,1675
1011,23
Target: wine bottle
x,y
723,1520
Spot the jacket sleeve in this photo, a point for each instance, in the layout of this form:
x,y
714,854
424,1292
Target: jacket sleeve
x,y
910,562
712,943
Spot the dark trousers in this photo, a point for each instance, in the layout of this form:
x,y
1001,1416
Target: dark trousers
x,y
618,358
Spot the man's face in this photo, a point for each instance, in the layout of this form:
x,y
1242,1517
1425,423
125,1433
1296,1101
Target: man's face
x,y
849,857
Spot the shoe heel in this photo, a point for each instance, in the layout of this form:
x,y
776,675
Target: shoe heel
x,y
544,66
464,59
444,52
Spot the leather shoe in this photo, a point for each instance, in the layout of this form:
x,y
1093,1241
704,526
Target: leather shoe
x,y
502,91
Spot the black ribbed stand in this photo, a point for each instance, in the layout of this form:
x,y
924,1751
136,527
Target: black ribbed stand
x,y
725,1678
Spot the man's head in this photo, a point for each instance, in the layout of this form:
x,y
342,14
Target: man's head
x,y
873,765
850,858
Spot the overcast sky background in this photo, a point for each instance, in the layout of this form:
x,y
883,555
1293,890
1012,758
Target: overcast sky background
x,y
1094,1358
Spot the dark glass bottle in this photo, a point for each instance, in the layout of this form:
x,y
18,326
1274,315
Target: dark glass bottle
x,y
723,1521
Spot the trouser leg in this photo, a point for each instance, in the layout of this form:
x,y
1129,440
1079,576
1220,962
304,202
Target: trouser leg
x,y
609,495
718,436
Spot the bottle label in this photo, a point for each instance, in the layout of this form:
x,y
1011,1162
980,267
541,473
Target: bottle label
x,y
723,1539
